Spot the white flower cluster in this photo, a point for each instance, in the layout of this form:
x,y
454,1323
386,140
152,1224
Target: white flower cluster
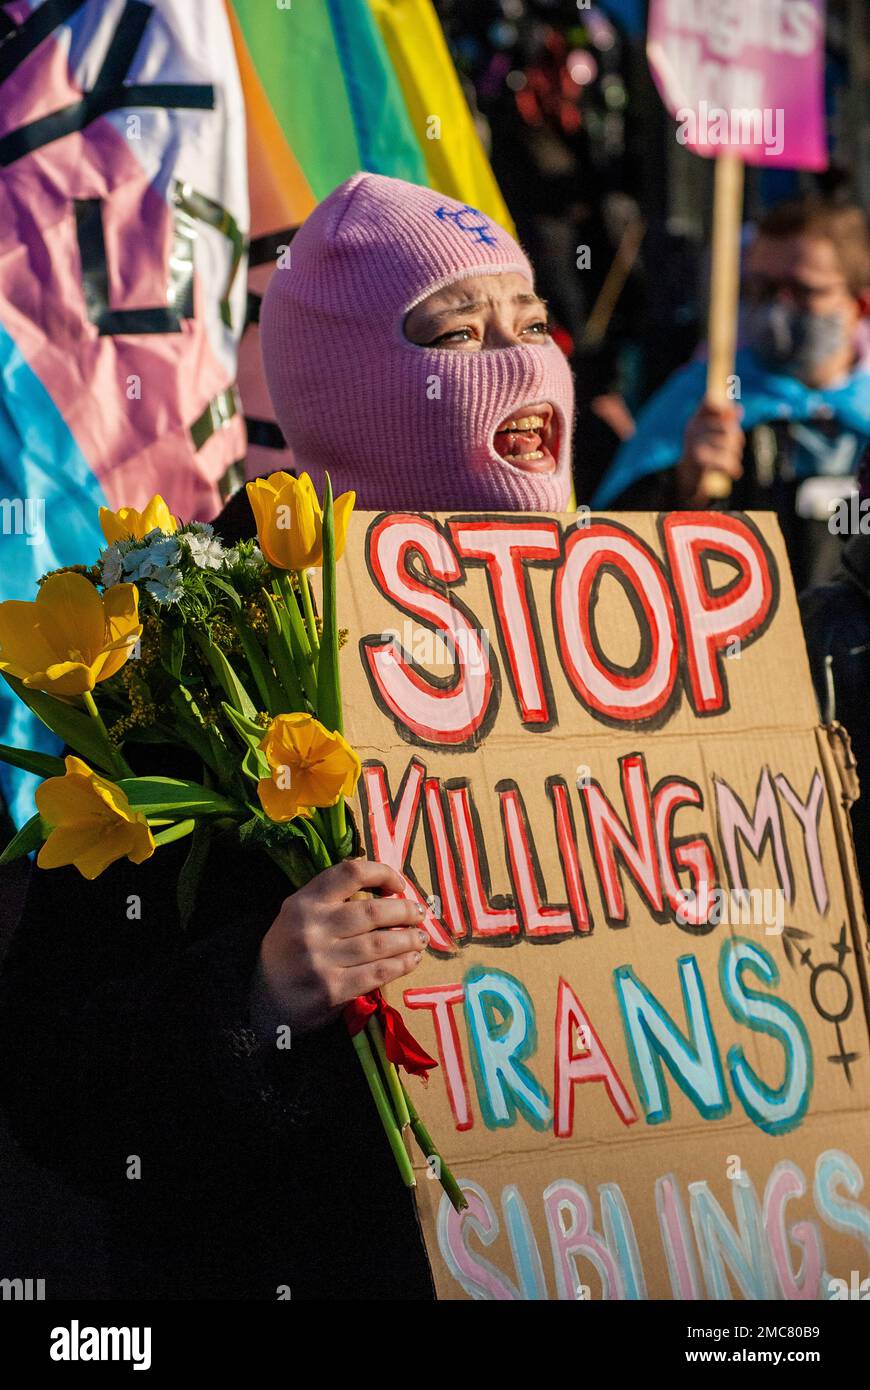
x,y
156,561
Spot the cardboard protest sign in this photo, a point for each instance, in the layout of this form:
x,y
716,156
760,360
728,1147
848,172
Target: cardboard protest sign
x,y
582,737
749,77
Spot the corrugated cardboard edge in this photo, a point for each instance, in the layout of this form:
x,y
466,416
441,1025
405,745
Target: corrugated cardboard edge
x,y
841,778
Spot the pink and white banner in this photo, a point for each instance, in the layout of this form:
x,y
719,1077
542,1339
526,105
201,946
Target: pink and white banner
x,y
123,216
743,75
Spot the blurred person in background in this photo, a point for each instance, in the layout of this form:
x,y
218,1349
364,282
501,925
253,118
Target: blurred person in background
x,y
550,85
792,438
836,619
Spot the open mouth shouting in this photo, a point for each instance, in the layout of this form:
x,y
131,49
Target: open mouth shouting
x,y
528,439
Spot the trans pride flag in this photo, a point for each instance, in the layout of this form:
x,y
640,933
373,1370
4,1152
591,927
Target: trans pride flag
x,y
123,216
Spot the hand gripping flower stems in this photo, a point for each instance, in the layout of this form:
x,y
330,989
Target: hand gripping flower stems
x,y
218,649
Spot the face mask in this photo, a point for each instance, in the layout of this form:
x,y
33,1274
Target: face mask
x,y
793,341
413,427
402,425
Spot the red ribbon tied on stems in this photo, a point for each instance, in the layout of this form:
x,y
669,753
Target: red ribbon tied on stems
x,y
400,1045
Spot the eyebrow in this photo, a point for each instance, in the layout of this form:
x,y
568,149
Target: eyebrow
x,y
472,305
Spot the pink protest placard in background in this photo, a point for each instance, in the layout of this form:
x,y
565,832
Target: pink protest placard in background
x,y
743,75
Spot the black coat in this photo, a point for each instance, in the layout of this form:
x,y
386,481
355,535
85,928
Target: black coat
x,y
120,1038
836,619
123,1038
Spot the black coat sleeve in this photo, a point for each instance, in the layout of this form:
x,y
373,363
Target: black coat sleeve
x,y
116,1027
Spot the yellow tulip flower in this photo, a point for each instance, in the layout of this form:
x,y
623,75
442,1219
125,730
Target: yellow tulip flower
x,y
310,767
127,521
71,636
290,521
92,822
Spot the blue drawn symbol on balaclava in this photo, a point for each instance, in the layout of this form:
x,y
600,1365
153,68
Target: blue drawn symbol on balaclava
x,y
480,230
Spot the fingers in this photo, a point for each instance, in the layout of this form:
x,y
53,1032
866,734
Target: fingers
x,y
714,444
373,914
378,946
720,457
339,883
713,411
363,978
726,433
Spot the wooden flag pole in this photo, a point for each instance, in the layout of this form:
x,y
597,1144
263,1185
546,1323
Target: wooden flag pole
x,y
724,291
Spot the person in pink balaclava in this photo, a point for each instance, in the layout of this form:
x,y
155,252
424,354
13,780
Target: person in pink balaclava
x,y
408,356
407,353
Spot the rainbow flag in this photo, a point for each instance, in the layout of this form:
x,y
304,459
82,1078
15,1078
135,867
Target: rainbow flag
x,y
331,88
343,85
456,162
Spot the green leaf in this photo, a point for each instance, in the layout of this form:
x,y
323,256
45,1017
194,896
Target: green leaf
x,y
172,649
250,732
175,832
232,686
191,872
153,796
295,636
281,654
269,688
228,590
284,843
254,765
77,730
329,710
190,728
29,838
43,764
317,849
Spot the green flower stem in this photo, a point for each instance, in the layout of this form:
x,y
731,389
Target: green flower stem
x,y
391,1076
337,825
305,590
298,638
427,1147
321,825
268,687
120,766
281,653
319,850
384,1109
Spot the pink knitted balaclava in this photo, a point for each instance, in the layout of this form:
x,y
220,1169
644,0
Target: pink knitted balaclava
x,y
403,425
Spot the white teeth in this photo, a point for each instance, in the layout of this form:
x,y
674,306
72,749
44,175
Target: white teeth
x,y
526,422
538,454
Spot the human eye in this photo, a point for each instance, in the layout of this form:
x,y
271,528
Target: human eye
x,y
454,337
539,329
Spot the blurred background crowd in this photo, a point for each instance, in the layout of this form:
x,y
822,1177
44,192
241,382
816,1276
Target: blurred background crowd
x,y
584,152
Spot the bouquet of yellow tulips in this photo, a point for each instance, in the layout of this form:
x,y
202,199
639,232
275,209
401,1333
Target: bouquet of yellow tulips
x,y
217,648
